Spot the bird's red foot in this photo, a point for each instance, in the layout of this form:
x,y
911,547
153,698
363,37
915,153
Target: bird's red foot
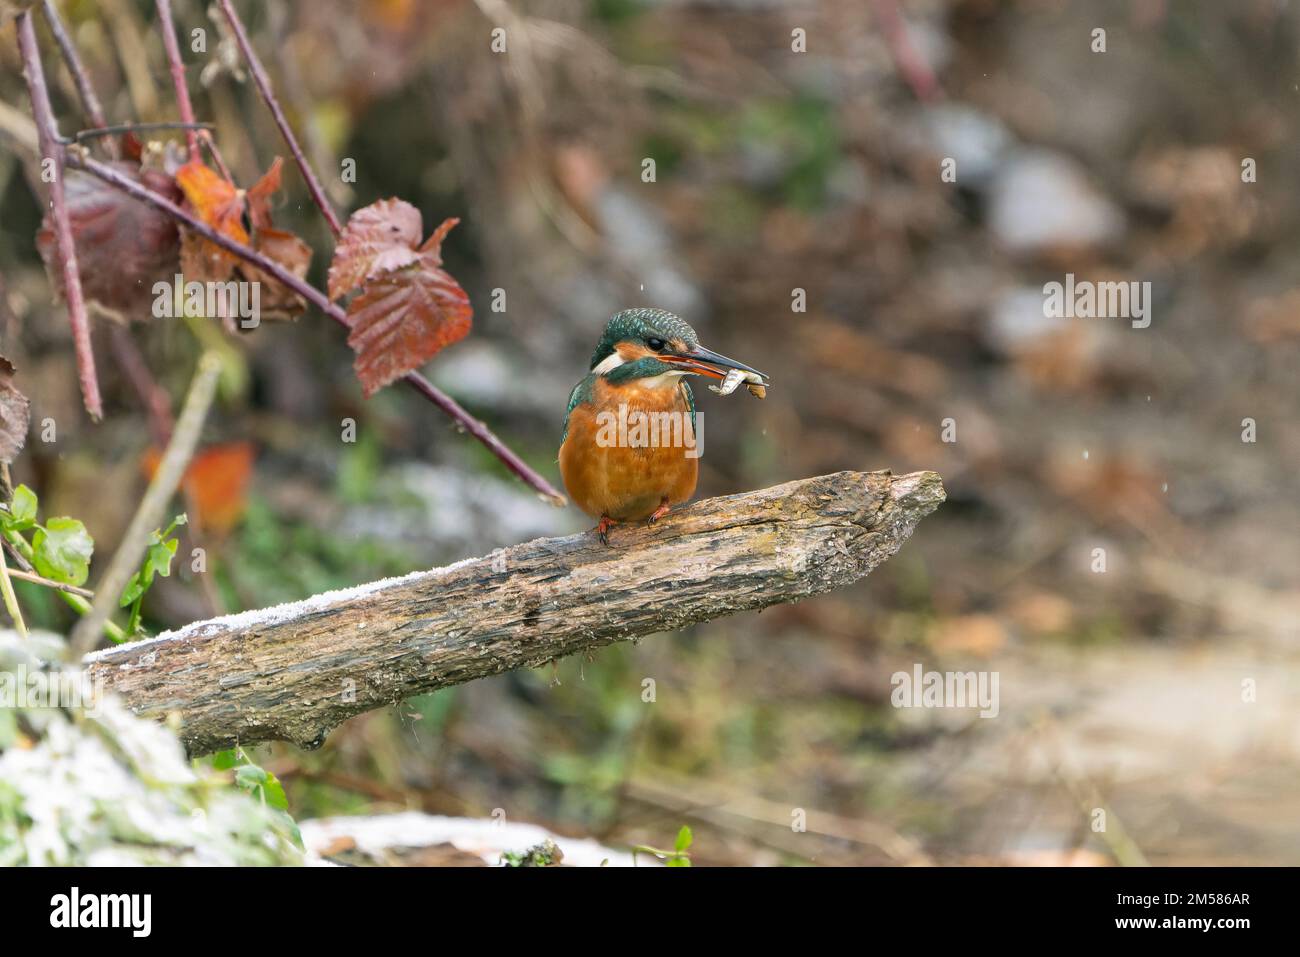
x,y
606,523
658,513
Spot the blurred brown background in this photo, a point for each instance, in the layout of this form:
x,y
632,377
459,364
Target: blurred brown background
x,y
777,171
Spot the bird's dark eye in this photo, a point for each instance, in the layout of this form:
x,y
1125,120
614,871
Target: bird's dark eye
x,y
655,343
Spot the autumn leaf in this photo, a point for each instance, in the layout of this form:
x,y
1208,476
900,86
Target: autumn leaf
x,y
123,245
215,200
222,205
15,412
432,247
408,308
278,301
403,318
378,238
217,483
259,196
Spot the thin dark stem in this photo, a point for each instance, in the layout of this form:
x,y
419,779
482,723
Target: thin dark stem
x,y
85,90
264,86
157,403
322,302
51,148
83,135
178,74
57,586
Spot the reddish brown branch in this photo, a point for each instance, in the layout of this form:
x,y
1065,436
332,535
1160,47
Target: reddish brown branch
x,y
52,151
178,74
80,78
157,403
264,86
322,302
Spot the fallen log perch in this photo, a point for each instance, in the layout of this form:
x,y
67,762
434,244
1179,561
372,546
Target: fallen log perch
x,y
295,671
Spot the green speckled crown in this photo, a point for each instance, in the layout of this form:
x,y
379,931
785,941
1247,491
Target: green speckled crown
x,y
641,324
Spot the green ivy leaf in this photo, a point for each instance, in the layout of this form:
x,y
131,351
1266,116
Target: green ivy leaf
x,y
22,509
157,560
134,589
159,557
62,551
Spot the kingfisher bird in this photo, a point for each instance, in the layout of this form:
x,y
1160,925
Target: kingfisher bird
x,y
629,450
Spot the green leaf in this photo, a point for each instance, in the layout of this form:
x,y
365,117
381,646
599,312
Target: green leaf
x,y
684,839
273,792
22,509
291,826
134,589
263,785
225,760
157,560
679,862
159,557
250,776
62,551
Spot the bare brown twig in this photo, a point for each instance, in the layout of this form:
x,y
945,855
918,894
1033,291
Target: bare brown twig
x,y
80,78
157,403
317,298
48,132
52,151
49,583
178,74
268,94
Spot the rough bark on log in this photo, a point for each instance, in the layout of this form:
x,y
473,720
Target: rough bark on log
x,y
295,671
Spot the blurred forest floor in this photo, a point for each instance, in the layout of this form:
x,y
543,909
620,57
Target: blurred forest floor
x,y
778,171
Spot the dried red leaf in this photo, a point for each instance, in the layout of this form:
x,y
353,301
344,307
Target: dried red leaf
x,y
278,301
402,319
433,245
213,198
123,245
259,196
132,148
377,238
220,204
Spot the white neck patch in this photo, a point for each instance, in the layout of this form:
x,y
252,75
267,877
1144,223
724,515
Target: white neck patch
x,y
609,363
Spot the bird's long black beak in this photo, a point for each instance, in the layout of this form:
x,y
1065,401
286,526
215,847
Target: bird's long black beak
x,y
706,362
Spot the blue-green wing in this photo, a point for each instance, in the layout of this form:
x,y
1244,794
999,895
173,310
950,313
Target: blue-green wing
x,y
581,393
689,396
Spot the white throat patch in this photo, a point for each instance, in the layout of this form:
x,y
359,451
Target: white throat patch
x,y
609,363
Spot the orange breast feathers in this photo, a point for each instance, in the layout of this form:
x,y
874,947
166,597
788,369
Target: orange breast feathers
x,y
630,449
